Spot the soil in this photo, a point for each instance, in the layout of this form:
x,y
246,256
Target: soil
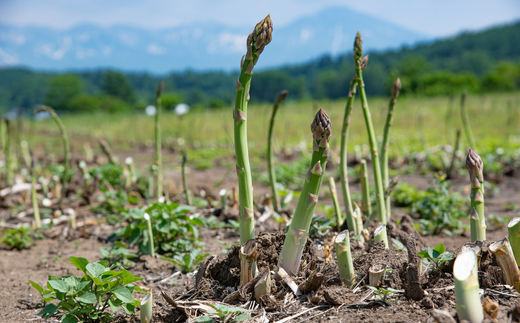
x,y
326,301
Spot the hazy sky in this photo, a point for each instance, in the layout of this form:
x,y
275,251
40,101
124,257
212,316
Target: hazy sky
x,y
430,17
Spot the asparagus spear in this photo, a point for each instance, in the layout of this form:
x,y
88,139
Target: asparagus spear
x,y
256,42
345,265
272,175
290,256
366,206
466,287
66,147
475,168
361,63
339,218
347,200
158,146
384,145
186,189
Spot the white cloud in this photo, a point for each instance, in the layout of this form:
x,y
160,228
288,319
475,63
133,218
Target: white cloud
x,y
7,59
128,39
82,53
56,54
13,38
155,49
305,34
228,42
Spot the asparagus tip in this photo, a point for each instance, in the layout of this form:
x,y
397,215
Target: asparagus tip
x,y
358,47
281,96
396,88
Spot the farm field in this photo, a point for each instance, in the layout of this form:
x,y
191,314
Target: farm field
x,y
398,209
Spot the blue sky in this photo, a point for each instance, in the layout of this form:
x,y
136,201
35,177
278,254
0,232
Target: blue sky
x,y
435,18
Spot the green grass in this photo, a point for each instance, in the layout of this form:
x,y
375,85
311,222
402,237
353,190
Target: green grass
x,y
417,121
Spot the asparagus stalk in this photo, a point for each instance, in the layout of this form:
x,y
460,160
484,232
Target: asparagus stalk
x,y
151,247
380,235
290,256
129,161
256,42
454,154
361,63
366,206
506,260
339,218
107,151
248,257
513,229
263,286
345,265
34,199
146,308
186,189
347,200
223,198
158,146
66,147
466,287
475,168
384,145
358,219
465,120
8,154
375,275
272,175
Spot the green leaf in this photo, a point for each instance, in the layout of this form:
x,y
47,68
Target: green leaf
x,y
204,319
114,304
59,285
440,248
95,269
87,298
69,318
128,308
71,280
48,311
241,317
80,263
127,277
434,254
124,294
36,286
423,254
79,287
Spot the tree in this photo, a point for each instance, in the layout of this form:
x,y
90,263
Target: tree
x,y
62,89
116,84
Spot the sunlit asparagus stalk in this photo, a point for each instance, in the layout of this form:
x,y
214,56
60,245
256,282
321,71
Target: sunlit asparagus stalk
x,y
146,311
380,235
339,217
158,146
272,175
66,147
506,260
345,265
358,220
24,146
465,120
361,63
466,287
454,154
290,256
366,206
256,42
347,200
375,275
513,229
384,145
150,235
36,209
8,154
475,168
186,189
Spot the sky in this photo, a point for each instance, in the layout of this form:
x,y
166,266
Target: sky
x,y
435,18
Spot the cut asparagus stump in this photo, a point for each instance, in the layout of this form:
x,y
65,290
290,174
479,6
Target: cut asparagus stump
x,y
513,229
506,260
375,275
475,168
256,42
347,200
384,145
146,308
361,63
263,287
291,254
358,218
339,218
272,175
345,265
380,235
466,287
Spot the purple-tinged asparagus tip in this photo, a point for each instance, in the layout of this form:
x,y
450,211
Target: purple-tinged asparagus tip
x,y
475,167
396,88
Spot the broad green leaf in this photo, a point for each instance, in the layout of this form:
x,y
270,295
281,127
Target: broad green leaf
x,y
110,274
241,317
423,254
59,285
440,248
95,269
228,309
79,287
114,304
48,311
71,280
128,308
35,285
68,318
204,319
127,277
123,294
80,263
87,298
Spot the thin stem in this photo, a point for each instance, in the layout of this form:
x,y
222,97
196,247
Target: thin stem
x,y
158,146
186,189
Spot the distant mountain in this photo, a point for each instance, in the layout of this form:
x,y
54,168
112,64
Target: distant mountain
x,y
198,47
